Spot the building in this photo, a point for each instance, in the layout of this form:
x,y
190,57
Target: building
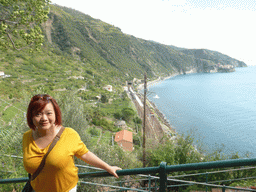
x,y
121,124
108,88
129,85
125,140
76,77
1,74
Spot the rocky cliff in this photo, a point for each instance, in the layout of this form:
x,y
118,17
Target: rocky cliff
x,y
212,61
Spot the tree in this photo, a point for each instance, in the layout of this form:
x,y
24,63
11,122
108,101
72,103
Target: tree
x,y
20,23
185,151
163,152
128,113
104,98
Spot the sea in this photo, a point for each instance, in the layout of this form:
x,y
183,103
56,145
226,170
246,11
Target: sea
x,y
218,109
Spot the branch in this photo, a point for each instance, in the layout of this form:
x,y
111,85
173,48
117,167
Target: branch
x,y
13,44
12,22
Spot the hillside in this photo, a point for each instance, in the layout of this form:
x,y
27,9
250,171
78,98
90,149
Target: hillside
x,y
79,45
90,39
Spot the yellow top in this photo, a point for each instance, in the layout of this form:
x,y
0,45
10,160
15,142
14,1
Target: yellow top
x,y
59,173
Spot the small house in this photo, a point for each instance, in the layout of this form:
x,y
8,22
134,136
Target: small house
x,y
121,124
125,140
1,74
129,83
108,88
76,77
98,97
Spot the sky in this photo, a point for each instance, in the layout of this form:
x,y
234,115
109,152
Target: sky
x,y
226,26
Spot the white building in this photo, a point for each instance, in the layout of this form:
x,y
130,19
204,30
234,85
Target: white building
x,y
108,88
1,74
76,77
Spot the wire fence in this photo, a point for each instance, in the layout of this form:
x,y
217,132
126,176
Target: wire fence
x,y
151,182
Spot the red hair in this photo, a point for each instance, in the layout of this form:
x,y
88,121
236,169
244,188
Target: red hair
x,y
37,104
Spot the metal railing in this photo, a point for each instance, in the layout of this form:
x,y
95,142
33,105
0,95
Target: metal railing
x,y
162,172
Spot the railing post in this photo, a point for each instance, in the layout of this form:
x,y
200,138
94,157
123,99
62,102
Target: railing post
x,y
121,185
149,183
206,181
223,188
155,185
163,176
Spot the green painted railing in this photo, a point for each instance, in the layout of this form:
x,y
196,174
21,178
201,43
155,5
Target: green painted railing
x,y
162,170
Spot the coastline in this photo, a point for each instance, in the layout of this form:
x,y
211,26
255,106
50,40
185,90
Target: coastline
x,y
165,123
160,79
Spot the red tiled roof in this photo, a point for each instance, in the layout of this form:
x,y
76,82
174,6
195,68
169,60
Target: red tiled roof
x,y
124,135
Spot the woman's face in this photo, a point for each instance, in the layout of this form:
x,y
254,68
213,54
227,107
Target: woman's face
x,y
46,118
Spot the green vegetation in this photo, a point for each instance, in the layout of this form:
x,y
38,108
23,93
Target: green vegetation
x,y
20,23
79,58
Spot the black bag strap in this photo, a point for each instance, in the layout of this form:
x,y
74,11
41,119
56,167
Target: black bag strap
x,y
41,166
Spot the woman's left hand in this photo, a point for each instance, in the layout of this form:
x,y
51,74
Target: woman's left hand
x,y
93,160
112,170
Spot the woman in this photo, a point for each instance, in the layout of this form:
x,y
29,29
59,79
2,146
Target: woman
x,y
59,172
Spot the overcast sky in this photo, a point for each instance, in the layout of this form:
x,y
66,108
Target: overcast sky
x,y
227,26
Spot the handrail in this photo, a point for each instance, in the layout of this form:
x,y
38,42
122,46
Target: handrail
x,y
212,165
207,184
213,172
162,170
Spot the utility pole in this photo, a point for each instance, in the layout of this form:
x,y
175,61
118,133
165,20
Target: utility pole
x,y
144,121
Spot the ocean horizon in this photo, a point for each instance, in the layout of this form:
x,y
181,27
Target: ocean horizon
x,y
218,108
